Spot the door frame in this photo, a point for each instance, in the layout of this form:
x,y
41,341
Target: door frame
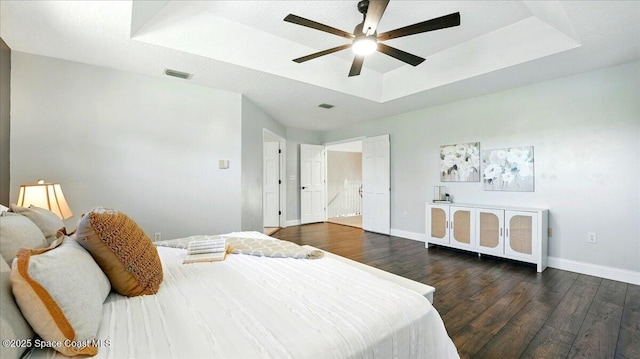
x,y
326,167
282,173
359,138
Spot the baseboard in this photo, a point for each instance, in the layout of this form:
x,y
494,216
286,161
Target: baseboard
x,y
295,222
621,275
420,237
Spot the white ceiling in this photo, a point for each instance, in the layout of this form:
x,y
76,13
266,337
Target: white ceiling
x,y
245,47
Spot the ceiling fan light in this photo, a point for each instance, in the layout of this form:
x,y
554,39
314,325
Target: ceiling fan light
x,y
364,45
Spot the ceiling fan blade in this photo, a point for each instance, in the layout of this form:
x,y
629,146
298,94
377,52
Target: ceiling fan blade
x,y
438,23
374,14
400,55
356,66
295,19
321,53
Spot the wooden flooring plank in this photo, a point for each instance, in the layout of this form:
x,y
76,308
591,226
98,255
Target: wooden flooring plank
x,y
628,345
465,277
573,308
552,292
462,284
499,313
611,291
549,343
513,338
456,293
468,308
598,334
480,330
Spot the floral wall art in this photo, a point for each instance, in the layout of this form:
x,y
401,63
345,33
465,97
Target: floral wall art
x,y
460,163
509,169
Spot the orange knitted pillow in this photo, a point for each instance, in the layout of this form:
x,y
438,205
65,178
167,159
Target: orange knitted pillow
x,y
123,251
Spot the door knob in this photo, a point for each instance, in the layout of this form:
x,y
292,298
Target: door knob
x,y
304,187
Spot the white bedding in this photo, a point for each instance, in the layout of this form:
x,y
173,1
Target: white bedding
x,y
258,307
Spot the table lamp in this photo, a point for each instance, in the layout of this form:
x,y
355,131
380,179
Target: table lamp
x,y
44,195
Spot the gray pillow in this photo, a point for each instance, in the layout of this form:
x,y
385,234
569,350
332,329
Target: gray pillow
x,y
12,324
60,290
48,222
17,232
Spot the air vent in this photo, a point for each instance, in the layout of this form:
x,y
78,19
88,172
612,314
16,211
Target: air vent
x,y
174,73
325,105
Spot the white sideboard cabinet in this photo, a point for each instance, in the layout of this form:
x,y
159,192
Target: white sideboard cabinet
x,y
508,232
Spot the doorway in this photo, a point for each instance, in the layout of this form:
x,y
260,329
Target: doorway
x,y
273,196
344,183
376,183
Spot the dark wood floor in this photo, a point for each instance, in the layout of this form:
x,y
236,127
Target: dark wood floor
x,y
495,308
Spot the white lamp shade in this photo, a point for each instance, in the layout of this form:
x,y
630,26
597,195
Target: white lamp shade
x,y
44,195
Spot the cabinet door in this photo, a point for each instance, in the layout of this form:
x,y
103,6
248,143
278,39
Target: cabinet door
x,y
490,233
521,235
462,227
438,220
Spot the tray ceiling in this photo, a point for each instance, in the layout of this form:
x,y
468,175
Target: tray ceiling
x,y
245,47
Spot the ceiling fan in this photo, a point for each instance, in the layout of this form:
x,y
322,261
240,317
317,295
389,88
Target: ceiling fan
x,y
365,38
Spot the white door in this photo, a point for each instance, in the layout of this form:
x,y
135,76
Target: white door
x,y
271,184
312,193
376,185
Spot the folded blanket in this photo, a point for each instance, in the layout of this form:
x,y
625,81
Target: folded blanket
x,y
271,248
274,248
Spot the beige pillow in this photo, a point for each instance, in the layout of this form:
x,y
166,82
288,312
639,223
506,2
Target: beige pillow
x,y
60,290
48,222
123,251
13,326
17,232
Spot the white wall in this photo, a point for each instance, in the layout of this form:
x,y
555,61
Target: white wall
x,y
148,146
585,130
254,120
5,123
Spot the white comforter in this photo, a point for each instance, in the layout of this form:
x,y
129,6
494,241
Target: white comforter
x,y
257,307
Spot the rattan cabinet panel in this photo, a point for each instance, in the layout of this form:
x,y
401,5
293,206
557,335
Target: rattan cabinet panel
x,y
490,225
463,229
520,235
438,224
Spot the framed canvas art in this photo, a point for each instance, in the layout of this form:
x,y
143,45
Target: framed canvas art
x,y
509,169
460,163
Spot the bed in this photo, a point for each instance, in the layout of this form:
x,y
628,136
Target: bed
x,y
259,307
